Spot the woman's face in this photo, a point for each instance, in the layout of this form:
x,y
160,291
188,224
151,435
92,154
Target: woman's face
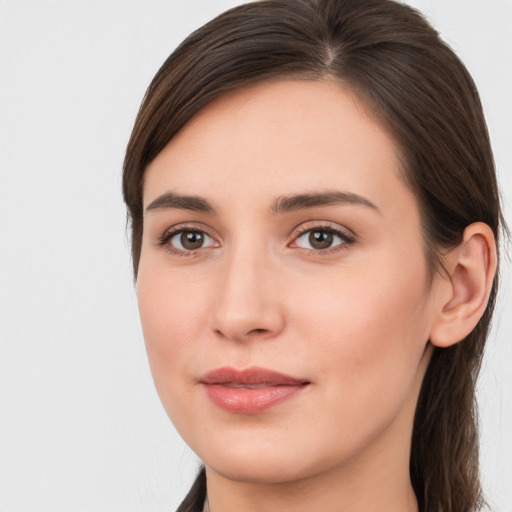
x,y
279,237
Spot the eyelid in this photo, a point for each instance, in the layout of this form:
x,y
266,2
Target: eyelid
x,y
327,225
191,226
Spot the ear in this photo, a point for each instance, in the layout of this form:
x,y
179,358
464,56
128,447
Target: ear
x,y
465,292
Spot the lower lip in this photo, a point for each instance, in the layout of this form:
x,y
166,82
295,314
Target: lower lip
x,y
250,400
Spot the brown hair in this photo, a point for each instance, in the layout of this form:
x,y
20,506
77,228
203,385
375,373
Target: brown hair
x,y
396,63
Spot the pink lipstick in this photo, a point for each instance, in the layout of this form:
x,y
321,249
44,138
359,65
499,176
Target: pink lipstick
x,y
250,391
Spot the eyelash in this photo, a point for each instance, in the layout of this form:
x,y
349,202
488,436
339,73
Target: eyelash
x,y
346,239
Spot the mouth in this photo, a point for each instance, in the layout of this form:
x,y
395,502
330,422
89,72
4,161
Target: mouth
x,y
250,391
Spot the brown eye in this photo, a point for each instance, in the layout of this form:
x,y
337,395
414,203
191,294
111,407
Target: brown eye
x,y
190,240
320,239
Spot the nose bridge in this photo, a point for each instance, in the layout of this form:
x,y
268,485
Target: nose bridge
x,y
247,302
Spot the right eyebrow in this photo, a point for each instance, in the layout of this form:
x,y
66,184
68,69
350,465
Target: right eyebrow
x,y
173,200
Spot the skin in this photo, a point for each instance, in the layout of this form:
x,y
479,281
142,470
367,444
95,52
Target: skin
x,y
354,319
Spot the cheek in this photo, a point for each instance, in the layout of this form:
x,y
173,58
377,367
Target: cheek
x,y
370,334
173,319
385,336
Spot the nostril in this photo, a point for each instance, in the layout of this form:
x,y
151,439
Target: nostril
x,y
257,331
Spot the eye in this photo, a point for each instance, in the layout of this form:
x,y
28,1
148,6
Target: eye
x,y
188,240
322,239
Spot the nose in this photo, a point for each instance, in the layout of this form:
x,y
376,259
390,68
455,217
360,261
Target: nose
x,y
248,303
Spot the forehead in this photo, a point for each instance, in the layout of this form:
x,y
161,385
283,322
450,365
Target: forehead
x,y
278,137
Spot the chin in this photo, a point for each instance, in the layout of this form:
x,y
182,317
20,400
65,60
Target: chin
x,y
260,459
258,469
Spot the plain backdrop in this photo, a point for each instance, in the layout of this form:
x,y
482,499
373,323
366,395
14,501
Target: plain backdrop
x,y
81,427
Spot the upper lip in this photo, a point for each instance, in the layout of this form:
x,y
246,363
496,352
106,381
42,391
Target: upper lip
x,y
250,376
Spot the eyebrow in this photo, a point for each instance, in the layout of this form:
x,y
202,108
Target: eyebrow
x,y
283,204
173,200
310,200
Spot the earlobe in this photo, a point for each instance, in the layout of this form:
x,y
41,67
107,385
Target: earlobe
x,y
471,267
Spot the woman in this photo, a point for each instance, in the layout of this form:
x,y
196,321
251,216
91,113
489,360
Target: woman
x,y
315,217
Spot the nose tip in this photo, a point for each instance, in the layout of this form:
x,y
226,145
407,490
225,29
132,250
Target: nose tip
x,y
241,328
247,305
246,322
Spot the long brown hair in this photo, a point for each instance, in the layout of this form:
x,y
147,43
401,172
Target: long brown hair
x,y
389,56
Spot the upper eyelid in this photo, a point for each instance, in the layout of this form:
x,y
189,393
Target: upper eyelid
x,y
188,226
304,227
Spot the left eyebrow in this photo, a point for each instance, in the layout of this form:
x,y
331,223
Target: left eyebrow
x,y
296,202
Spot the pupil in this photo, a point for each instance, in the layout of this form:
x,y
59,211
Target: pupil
x,y
191,240
320,239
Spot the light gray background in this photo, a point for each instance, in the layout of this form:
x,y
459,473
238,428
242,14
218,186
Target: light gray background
x,y
81,427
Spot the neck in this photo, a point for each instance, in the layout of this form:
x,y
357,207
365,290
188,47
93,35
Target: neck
x,y
349,496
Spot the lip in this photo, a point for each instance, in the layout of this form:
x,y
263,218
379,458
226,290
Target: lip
x,y
250,391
